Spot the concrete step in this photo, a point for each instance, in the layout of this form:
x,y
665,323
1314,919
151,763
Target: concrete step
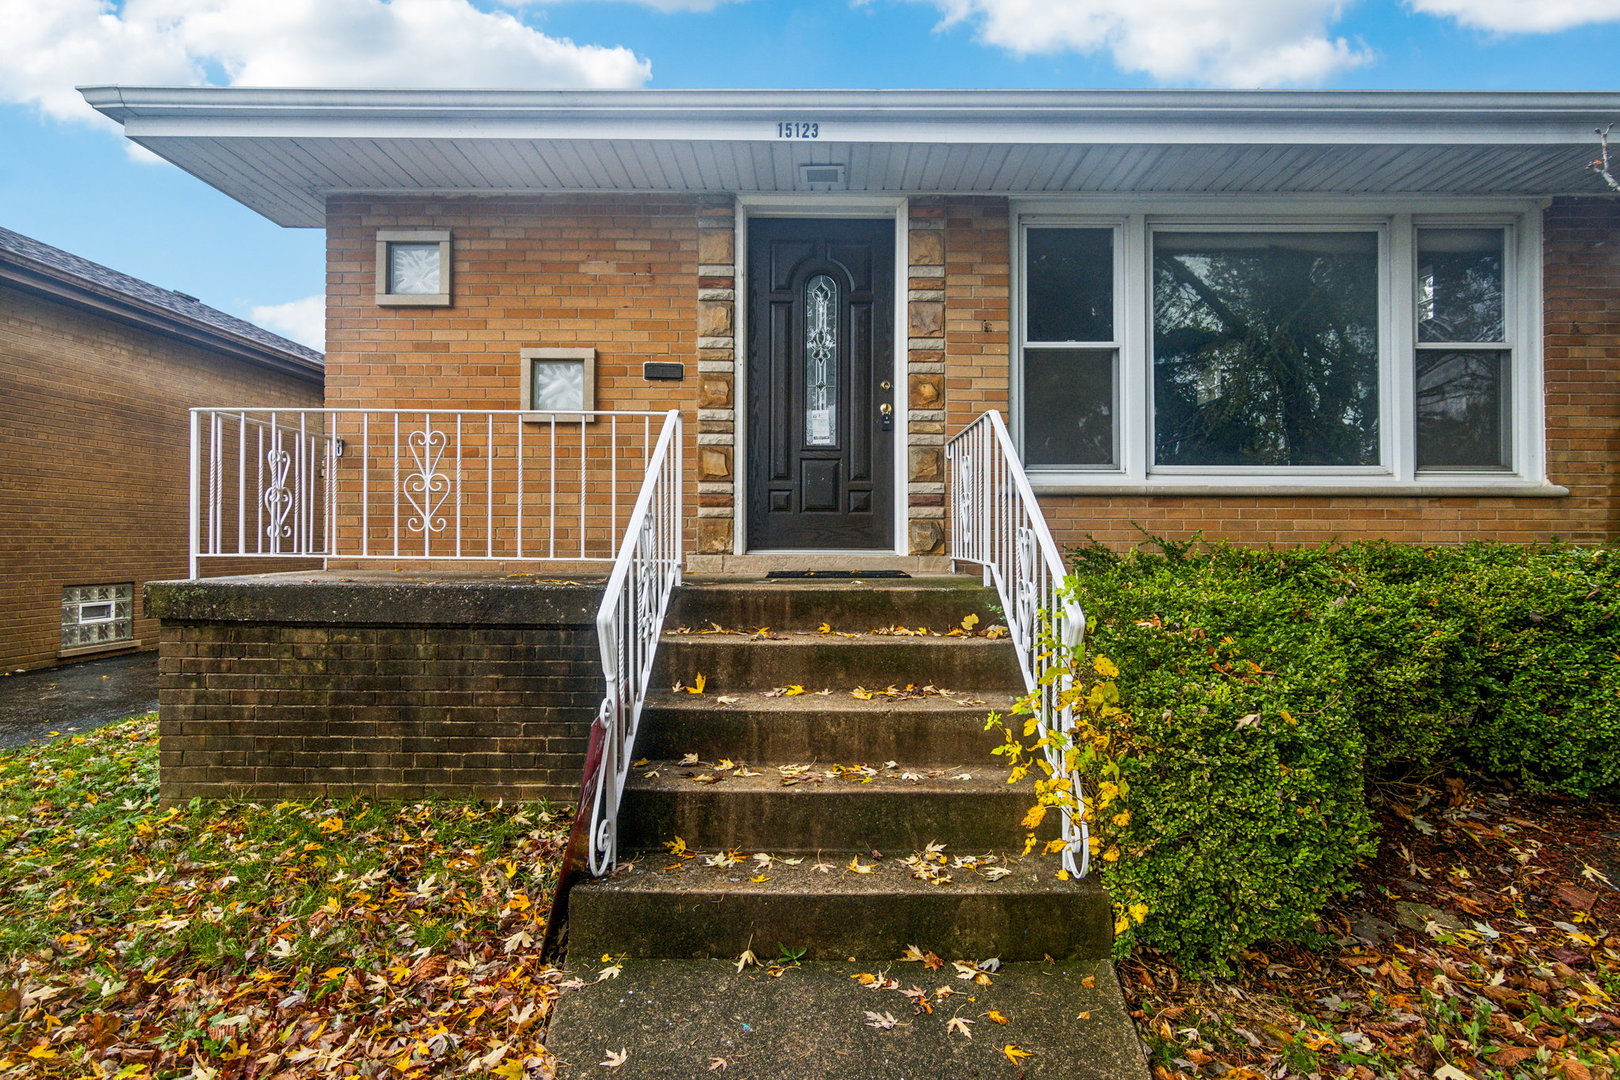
x,y
702,1019
662,906
934,730
971,806
851,605
732,662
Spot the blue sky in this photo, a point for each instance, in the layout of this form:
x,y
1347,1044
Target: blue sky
x,y
68,178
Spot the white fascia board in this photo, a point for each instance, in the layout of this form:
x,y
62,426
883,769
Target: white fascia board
x,y
978,116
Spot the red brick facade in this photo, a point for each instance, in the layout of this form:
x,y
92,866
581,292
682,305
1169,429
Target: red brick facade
x,y
94,438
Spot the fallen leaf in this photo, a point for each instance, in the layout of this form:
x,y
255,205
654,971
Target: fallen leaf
x,y
1015,1053
959,1025
882,1021
614,1060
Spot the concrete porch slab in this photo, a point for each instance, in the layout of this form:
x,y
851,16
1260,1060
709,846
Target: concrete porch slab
x,y
675,1019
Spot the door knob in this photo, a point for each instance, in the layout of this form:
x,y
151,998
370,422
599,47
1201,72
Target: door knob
x,y
888,416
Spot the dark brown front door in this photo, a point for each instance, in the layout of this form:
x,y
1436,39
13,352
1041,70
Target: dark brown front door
x,y
820,368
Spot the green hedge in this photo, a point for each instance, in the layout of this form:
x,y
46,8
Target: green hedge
x,y
1259,688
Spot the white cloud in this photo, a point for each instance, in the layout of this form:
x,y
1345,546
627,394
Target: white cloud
x,y
1522,16
50,46
665,6
1243,43
302,320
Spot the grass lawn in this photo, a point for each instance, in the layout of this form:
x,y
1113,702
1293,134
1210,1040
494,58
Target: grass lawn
x,y
304,939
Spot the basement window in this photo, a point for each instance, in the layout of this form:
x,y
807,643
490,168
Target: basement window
x,y
97,616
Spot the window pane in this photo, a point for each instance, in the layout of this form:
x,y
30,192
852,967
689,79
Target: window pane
x,y
1461,409
413,269
1070,285
559,386
1459,284
1069,406
1265,348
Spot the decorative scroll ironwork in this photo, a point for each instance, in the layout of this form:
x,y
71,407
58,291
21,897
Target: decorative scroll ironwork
x,y
427,487
278,496
821,361
996,522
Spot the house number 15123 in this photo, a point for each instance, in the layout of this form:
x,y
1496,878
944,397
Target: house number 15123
x,y
798,129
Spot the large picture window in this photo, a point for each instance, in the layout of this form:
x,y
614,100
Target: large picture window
x,y
1304,351
1265,348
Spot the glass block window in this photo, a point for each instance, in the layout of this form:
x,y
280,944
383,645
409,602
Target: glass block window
x,y
413,267
557,382
97,614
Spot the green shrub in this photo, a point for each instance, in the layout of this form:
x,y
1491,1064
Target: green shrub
x,y
1257,689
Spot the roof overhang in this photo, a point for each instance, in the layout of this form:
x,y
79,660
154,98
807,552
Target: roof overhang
x,y
284,151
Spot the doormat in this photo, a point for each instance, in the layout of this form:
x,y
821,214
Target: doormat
x,y
863,574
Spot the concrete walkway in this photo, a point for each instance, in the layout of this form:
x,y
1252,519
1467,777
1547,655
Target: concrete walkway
x,y
76,697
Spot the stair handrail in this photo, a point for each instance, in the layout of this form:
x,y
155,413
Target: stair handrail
x,y
996,522
629,621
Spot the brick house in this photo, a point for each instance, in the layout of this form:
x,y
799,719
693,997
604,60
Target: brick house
x,y
1271,317
97,369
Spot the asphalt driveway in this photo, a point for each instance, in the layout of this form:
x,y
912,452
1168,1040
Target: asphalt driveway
x,y
76,697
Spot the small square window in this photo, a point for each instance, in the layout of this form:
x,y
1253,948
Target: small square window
x,y
557,382
413,267
96,615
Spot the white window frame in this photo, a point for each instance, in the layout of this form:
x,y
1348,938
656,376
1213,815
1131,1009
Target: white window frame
x,y
1395,222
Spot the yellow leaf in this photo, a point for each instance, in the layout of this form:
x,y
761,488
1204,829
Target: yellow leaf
x,y
1111,855
969,622
996,1017
793,691
1015,1053
857,867
698,683
861,693
824,628
1036,815
1105,667
676,847
330,825
1139,912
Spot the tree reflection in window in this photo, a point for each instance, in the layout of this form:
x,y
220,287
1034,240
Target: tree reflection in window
x,y
1266,349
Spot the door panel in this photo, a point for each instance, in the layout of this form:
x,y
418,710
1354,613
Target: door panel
x,y
820,346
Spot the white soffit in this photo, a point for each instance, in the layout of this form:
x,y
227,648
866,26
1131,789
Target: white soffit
x,y
282,152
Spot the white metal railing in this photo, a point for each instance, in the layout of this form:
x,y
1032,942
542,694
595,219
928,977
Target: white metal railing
x,y
628,625
414,484
996,522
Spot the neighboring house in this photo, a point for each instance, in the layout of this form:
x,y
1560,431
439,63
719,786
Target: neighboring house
x,y
97,370
1274,317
